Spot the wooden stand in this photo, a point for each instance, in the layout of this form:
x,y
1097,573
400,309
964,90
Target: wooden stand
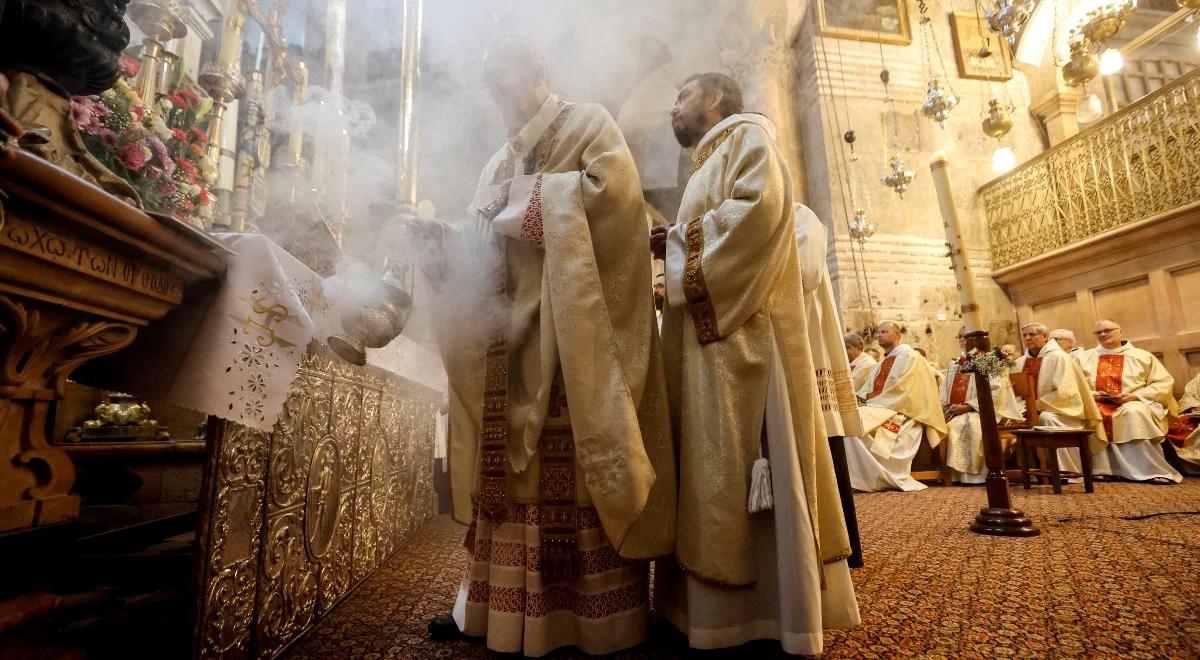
x,y
999,518
80,273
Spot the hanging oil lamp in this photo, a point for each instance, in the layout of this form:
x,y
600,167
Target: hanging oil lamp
x,y
899,178
860,227
938,103
1083,65
998,121
1008,18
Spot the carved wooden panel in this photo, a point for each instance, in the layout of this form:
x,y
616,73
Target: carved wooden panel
x,y
1119,301
296,518
1061,313
1187,287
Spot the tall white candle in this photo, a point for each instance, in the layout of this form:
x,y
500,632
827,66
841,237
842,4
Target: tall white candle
x,y
967,297
231,37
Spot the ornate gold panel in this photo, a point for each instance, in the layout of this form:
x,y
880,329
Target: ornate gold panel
x,y
1140,162
296,518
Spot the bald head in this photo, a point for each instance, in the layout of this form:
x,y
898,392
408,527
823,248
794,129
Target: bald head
x,y
888,334
1109,333
514,73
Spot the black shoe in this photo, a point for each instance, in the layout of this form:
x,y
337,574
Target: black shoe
x,y
443,629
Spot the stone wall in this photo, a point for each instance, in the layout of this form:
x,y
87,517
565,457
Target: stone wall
x,y
905,264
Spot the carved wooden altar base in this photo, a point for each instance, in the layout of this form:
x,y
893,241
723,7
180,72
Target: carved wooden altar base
x,y
80,272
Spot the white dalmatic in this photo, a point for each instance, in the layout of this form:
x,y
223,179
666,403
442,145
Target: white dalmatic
x,y
964,433
1135,429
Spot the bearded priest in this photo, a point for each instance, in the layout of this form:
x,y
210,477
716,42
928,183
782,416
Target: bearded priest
x,y
900,407
560,446
1133,391
741,377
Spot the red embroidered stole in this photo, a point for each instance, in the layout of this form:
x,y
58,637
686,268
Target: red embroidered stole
x,y
885,369
958,389
1181,430
1033,367
1108,379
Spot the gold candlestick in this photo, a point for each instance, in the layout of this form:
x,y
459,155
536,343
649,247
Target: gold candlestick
x,y
159,20
223,85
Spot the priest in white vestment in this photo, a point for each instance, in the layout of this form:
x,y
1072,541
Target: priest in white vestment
x,y
900,407
1066,341
1185,432
1064,398
861,361
560,447
834,385
742,383
1134,393
964,434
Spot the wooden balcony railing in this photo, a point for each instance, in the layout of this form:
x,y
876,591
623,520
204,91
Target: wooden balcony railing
x,y
1139,163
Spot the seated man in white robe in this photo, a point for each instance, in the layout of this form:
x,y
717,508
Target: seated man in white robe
x,y
1185,432
900,408
1063,396
860,360
1066,341
1133,391
960,402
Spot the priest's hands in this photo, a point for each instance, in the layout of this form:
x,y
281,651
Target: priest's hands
x,y
658,241
955,409
1119,399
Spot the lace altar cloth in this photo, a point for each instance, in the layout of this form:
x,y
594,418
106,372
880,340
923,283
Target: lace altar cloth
x,y
243,358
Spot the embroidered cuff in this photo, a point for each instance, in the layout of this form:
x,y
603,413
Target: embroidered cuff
x,y
511,218
694,287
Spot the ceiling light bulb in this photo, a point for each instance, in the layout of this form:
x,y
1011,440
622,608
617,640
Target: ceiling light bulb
x,y
1003,160
1111,62
1089,109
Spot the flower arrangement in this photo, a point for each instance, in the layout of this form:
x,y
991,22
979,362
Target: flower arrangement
x,y
157,147
989,363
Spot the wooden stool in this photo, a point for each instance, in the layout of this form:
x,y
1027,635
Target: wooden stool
x,y
1053,440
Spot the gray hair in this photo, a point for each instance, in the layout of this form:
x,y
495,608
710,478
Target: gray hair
x,y
853,339
1039,328
1062,333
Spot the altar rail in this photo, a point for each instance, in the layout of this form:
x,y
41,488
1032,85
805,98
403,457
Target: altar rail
x,y
1139,163
293,519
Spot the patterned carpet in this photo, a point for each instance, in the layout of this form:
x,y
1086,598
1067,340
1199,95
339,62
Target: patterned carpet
x,y
1114,574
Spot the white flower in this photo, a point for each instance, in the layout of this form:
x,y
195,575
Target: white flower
x,y
206,165
159,127
205,210
166,104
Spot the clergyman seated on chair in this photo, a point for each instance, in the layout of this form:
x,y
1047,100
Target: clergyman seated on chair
x,y
960,404
900,407
1133,391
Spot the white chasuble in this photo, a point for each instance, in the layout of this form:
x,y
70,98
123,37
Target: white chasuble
x,y
964,433
1135,429
742,385
1064,400
834,385
1185,431
860,369
901,407
560,437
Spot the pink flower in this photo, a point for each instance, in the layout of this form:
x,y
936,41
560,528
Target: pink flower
x,y
87,113
135,155
108,138
138,112
178,134
161,165
129,66
190,97
199,135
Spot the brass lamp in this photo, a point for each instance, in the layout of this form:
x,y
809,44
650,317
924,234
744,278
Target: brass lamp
x,y
1083,65
999,120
